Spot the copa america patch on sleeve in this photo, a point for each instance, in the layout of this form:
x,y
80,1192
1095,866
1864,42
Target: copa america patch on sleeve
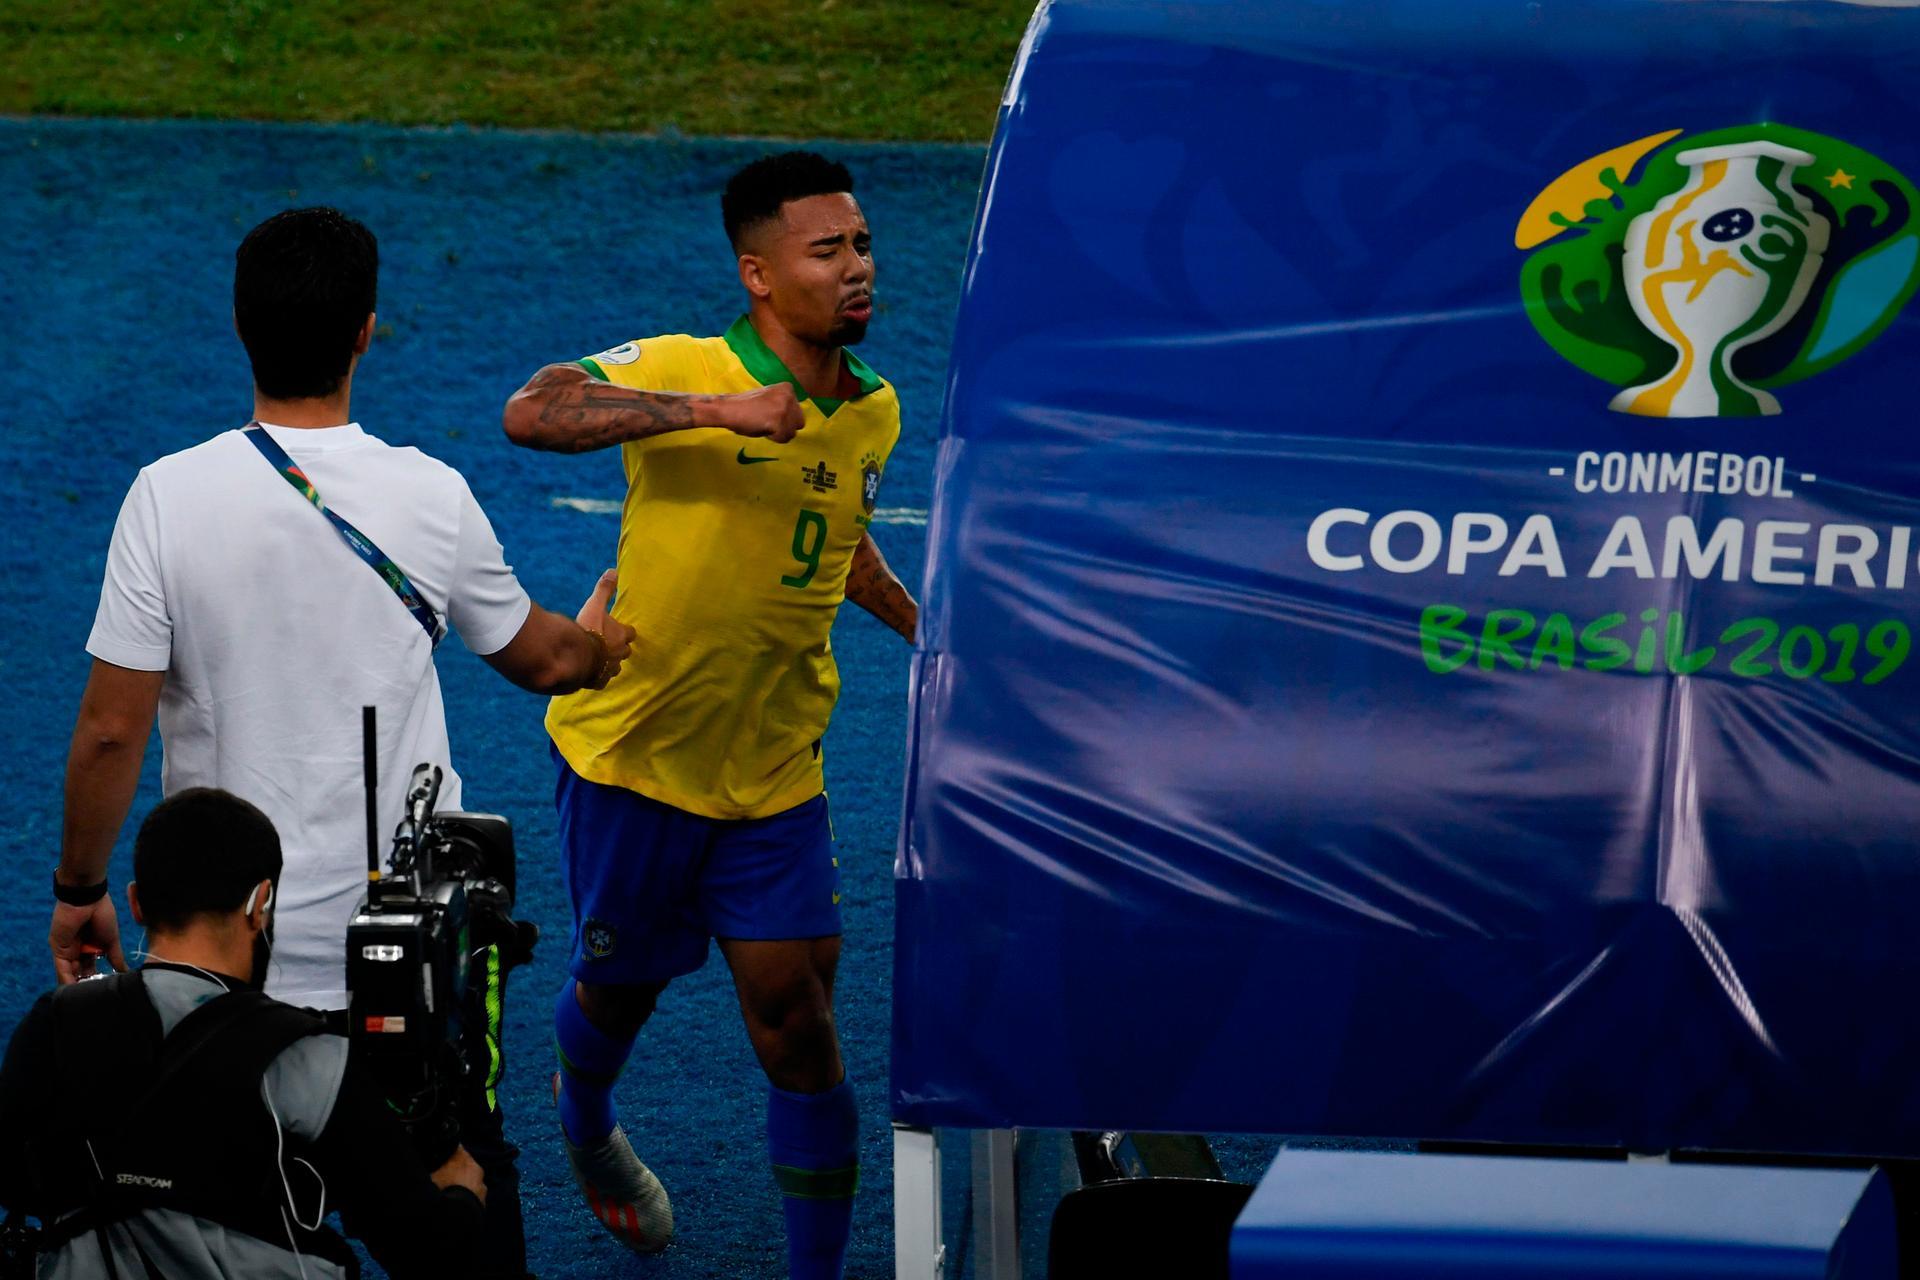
x,y
596,938
625,353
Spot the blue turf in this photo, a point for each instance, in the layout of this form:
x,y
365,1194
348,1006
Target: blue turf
x,y
500,252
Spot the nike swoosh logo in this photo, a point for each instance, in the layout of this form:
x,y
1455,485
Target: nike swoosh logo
x,y
744,459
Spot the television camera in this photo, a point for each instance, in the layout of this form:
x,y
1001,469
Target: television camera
x,y
446,896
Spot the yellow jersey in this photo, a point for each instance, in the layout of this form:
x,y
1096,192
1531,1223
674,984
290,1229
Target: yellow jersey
x,y
733,561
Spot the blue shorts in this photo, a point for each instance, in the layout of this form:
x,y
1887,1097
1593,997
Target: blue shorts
x,y
651,885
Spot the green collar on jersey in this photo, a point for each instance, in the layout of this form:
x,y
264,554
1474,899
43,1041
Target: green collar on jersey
x,y
767,368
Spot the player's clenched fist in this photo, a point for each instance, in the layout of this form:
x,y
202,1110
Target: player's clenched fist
x,y
616,637
769,413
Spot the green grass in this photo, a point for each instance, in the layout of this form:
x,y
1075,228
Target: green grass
x,y
875,69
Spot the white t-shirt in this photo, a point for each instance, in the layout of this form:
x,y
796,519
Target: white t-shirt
x,y
274,635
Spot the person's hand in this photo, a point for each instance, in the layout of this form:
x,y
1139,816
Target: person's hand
x,y
616,637
461,1170
79,935
769,413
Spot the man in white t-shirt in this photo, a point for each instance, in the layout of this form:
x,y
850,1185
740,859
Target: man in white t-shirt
x,y
236,609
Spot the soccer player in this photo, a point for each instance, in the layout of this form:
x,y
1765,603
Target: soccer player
x,y
690,794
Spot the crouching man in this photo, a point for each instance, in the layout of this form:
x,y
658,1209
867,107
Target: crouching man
x,y
176,1121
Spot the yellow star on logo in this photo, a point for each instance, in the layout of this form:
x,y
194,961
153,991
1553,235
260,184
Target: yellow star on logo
x,y
1840,178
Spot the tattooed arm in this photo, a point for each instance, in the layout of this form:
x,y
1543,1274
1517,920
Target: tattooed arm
x,y
565,409
872,586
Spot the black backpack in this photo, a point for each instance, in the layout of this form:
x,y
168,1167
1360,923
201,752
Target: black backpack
x,y
175,1121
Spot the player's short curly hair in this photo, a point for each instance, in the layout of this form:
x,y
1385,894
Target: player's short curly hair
x,y
756,193
304,281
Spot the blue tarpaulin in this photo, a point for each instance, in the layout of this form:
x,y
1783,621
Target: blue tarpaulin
x,y
1420,595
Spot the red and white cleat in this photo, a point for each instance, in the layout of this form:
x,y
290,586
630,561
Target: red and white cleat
x,y
621,1191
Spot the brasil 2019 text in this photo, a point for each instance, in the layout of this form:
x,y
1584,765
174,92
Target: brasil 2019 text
x,y
1658,642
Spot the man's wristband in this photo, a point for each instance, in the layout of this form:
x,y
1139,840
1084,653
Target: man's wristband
x,y
78,895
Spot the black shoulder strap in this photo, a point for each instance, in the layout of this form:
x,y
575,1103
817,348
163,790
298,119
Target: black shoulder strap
x,y
92,1022
251,1027
101,1022
99,1026
101,1031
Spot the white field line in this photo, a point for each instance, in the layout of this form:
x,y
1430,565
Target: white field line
x,y
611,507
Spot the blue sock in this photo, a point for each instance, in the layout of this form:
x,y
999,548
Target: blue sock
x,y
813,1140
590,1062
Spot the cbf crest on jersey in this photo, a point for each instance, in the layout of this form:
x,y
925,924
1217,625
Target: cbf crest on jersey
x,y
869,481
1702,272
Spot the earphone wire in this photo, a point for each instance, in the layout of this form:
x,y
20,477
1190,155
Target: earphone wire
x,y
279,1160
298,1261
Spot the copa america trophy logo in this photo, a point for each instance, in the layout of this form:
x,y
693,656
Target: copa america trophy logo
x,y
1718,265
1700,273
